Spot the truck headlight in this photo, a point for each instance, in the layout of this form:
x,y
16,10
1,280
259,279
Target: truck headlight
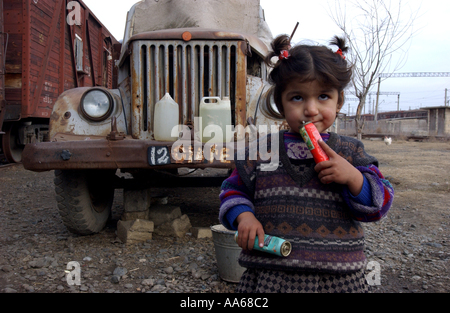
x,y
97,104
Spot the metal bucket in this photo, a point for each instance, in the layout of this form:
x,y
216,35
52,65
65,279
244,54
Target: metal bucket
x,y
227,254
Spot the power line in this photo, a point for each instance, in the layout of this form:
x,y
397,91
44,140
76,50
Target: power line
x,y
415,74
384,93
411,74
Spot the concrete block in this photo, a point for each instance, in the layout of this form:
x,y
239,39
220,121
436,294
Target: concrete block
x,y
136,200
136,231
177,227
201,232
161,214
131,216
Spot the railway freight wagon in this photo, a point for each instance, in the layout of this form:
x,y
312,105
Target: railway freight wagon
x,y
46,48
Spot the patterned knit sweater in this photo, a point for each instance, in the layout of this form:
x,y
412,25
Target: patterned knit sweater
x,y
322,222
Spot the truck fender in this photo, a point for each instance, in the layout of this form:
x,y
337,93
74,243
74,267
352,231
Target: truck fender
x,y
67,116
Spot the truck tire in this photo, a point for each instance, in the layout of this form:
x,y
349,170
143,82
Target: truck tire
x,y
84,199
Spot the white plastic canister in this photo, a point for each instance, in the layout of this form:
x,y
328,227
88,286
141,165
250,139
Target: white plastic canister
x,y
166,118
215,118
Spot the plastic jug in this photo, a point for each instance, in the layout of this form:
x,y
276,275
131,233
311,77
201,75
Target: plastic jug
x,y
166,118
215,117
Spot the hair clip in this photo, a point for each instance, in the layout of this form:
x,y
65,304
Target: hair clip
x,y
340,53
284,55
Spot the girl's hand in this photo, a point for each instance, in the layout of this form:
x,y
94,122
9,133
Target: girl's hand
x,y
339,170
248,228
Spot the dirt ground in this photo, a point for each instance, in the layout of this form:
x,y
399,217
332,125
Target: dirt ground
x,y
420,174
412,244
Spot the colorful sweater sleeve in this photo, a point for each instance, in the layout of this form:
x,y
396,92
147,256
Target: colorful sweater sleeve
x,y
235,199
365,196
381,193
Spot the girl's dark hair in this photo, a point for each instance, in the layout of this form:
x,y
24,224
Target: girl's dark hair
x,y
305,63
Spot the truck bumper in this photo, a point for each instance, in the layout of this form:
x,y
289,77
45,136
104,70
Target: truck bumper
x,y
122,154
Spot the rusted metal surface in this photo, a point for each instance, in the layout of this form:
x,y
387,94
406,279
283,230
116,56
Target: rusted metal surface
x,y
40,59
187,63
137,94
48,44
40,42
241,83
198,34
3,42
66,117
2,114
92,153
115,135
188,71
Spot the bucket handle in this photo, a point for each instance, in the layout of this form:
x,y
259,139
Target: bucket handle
x,y
211,98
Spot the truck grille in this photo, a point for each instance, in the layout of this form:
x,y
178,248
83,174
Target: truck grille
x,y
187,71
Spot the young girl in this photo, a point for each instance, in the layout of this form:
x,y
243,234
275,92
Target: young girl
x,y
317,207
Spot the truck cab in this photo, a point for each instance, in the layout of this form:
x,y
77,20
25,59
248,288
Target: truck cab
x,y
188,53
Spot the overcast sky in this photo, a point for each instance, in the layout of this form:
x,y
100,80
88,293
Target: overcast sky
x,y
429,52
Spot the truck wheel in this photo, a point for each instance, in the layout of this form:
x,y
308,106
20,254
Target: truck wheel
x,y
84,199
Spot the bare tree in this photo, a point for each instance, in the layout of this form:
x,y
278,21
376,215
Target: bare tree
x,y
378,33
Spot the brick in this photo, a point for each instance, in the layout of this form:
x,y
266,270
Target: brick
x,y
201,232
131,216
161,214
177,227
136,231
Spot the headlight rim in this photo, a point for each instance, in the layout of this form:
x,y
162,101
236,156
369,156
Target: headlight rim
x,y
107,114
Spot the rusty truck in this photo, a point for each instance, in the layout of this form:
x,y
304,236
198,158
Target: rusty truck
x,y
187,51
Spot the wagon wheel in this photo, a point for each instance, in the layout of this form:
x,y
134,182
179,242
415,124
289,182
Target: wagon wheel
x,y
10,144
84,198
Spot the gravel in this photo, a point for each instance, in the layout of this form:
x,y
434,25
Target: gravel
x,y
413,259
36,248
34,259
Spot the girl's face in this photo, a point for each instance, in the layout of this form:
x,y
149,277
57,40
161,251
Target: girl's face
x,y
310,102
